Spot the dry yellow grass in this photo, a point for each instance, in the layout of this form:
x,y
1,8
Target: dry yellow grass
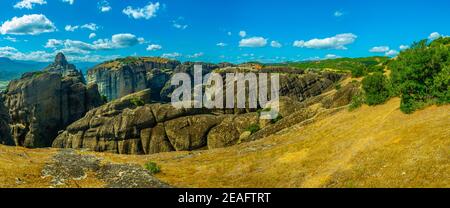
x,y
21,167
369,147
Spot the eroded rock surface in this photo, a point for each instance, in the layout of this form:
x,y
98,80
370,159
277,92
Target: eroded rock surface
x,y
133,124
5,132
67,165
42,103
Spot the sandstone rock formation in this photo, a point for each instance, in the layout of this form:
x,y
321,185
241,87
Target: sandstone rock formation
x,y
42,103
132,124
122,77
5,132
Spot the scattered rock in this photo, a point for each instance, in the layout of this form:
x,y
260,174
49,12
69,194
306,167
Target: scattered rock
x,y
68,165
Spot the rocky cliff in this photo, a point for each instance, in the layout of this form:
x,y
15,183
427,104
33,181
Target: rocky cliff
x,y
125,76
121,77
134,125
130,125
42,103
5,132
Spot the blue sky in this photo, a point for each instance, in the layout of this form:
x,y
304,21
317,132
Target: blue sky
x,y
216,31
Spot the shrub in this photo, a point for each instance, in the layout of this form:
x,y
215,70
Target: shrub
x,y
275,120
358,72
152,167
104,98
253,128
338,86
136,101
357,101
421,74
376,89
376,68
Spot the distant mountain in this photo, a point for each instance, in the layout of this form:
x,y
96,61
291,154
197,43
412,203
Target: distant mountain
x,y
13,69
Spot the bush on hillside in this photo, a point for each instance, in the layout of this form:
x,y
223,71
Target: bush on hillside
x,y
152,167
376,88
421,74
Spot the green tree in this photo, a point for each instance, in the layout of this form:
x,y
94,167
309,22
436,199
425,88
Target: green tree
x,y
376,88
421,74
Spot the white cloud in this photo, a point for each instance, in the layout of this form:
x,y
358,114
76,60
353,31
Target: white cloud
x,y
221,44
90,26
117,41
338,14
315,58
196,55
104,6
253,42
28,4
176,24
154,47
92,35
71,28
434,36
391,53
69,1
33,24
276,44
229,33
124,40
242,34
12,39
171,55
336,42
379,49
179,26
146,12
403,47
75,55
53,43
7,49
332,56
318,58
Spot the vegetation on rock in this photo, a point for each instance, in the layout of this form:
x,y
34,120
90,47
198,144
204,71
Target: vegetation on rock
x,y
136,101
253,128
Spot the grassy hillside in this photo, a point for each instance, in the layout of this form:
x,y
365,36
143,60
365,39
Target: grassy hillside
x,y
365,148
357,66
369,147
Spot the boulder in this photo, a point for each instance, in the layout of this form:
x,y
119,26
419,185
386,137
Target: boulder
x,y
190,133
228,132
